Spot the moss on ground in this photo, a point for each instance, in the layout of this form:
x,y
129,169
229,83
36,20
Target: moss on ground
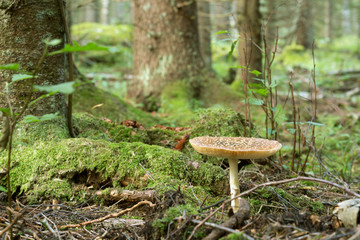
x,y
88,126
54,169
113,107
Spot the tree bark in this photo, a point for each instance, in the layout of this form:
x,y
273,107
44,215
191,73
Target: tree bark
x,y
329,8
104,16
305,31
204,25
221,17
23,29
249,44
166,47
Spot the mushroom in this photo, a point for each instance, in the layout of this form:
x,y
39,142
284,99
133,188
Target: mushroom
x,y
234,148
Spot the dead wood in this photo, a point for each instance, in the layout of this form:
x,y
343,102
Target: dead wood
x,y
127,195
233,222
113,215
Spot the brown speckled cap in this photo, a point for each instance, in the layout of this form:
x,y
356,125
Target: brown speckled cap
x,y
235,147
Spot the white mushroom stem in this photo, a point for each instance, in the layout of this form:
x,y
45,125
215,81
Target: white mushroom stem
x,y
234,183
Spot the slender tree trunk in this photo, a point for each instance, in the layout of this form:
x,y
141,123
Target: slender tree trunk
x,y
23,30
221,17
166,47
104,16
347,17
329,6
271,27
305,31
204,25
249,44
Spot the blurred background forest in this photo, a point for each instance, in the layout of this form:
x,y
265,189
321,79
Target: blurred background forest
x,y
224,44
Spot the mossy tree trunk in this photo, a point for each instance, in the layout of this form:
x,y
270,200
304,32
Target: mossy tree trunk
x,y
166,47
24,26
249,44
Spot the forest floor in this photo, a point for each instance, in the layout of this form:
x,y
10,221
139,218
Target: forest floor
x,y
295,210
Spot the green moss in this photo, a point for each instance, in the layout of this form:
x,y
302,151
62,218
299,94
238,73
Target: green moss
x,y
52,130
218,122
265,196
113,107
91,127
101,33
161,225
177,103
91,162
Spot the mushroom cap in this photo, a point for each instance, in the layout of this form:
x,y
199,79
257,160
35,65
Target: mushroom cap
x,y
235,147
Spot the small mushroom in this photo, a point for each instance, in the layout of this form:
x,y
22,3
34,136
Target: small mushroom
x,y
234,148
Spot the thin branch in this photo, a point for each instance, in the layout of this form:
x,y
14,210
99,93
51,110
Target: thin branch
x,y
300,178
113,215
16,218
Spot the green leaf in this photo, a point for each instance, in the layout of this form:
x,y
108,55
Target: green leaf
x,y
6,111
261,91
19,77
238,66
77,48
256,72
11,66
292,130
46,117
232,49
315,123
2,189
31,119
53,42
41,97
279,114
220,32
65,88
254,101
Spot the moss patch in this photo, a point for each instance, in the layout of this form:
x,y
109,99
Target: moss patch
x,y
113,107
54,169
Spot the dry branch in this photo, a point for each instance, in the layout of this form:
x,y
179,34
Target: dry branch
x,y
300,178
113,215
17,216
236,220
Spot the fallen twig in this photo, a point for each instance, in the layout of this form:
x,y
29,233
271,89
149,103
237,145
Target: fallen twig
x,y
17,216
238,218
300,178
113,215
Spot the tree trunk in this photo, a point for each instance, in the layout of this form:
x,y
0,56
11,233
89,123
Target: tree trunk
x,y
204,25
249,44
329,8
166,47
271,27
23,30
104,16
221,17
305,31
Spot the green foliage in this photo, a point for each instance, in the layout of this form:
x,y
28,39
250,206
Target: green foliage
x,y
65,88
2,189
279,114
12,66
19,77
46,117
